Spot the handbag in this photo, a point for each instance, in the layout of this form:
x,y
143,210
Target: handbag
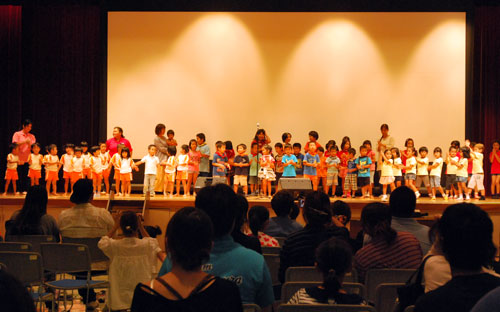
x,y
412,290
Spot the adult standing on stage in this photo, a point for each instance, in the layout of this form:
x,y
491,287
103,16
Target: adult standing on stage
x,y
385,142
160,142
118,137
24,139
261,138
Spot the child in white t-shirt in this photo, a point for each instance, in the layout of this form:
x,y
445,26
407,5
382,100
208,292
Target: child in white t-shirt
x,y
396,166
477,179
435,174
423,170
182,170
96,169
462,174
169,177
451,172
411,170
151,162
387,174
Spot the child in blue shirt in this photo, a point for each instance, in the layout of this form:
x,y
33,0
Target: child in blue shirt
x,y
289,161
311,161
299,169
351,185
363,163
220,161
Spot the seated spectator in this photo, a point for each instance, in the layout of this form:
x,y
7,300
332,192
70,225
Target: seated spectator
x,y
387,248
33,219
228,259
258,219
465,234
240,223
341,215
489,303
294,213
333,260
403,202
133,260
186,287
14,297
282,225
85,220
299,247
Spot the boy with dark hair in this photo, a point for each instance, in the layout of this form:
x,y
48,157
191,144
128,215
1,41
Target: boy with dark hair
x,y
351,185
220,161
204,149
363,164
299,168
281,225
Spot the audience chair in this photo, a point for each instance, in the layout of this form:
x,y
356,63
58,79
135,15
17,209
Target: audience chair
x,y
271,250
27,268
65,259
34,240
386,295
273,264
325,308
98,259
290,288
311,274
251,307
376,277
15,246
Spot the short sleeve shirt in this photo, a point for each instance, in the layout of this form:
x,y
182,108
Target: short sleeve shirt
x,y
289,171
204,162
299,167
150,162
411,162
279,164
477,163
396,171
241,160
25,149
363,161
218,171
310,160
331,161
254,166
437,171
422,169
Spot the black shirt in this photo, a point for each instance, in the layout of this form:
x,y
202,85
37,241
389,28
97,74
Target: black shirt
x,y
250,242
241,160
459,294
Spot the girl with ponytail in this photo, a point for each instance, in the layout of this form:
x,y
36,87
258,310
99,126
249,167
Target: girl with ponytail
x,y
333,260
258,219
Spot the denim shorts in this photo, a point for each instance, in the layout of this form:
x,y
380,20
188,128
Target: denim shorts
x,y
410,176
461,179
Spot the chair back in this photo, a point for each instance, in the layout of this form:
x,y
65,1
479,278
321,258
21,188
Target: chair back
x,y
376,277
325,308
251,307
34,240
386,295
25,266
273,264
303,274
65,258
15,246
96,254
290,288
270,250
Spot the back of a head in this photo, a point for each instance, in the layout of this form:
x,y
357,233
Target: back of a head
x,y
334,260
241,210
376,222
189,248
13,295
341,208
257,218
465,233
282,203
128,223
82,191
34,207
218,202
317,209
403,202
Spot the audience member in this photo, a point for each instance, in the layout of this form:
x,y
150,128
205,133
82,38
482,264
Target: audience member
x,y
258,219
228,259
133,260
387,248
186,287
14,297
333,260
240,223
341,214
299,247
465,234
403,202
282,225
33,219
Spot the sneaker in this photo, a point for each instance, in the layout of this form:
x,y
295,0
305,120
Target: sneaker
x,y
433,198
348,196
417,194
97,195
460,197
455,196
152,194
384,198
467,197
24,193
445,197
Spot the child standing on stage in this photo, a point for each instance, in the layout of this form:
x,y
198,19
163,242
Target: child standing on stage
x,y
477,179
125,165
411,170
220,160
311,161
254,158
435,174
387,174
170,165
11,172
451,172
289,161
86,173
279,164
193,165
423,169
182,170
241,168
409,143
96,170
66,164
115,161
205,155
299,166
35,160
332,173
351,178
344,158
363,163
266,172
104,156
77,163
313,138
371,153
495,170
170,138
52,166
151,162
462,173
322,169
396,166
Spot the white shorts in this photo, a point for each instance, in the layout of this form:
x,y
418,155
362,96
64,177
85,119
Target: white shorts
x,y
386,180
240,180
477,180
267,173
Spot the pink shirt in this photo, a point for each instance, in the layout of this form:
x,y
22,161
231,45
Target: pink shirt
x,y
24,149
112,145
195,157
